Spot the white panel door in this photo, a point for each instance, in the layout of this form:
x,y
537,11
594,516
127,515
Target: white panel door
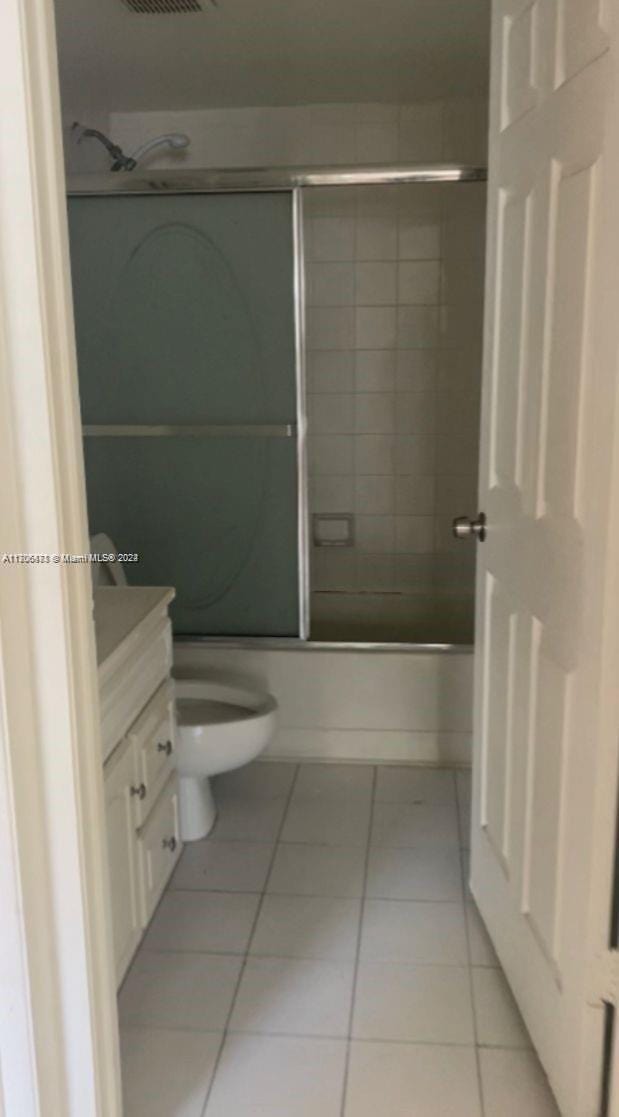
x,y
546,714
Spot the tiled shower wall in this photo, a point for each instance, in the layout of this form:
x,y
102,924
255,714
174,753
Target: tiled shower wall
x,y
394,322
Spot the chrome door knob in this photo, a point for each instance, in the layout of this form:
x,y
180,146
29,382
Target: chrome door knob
x,y
463,527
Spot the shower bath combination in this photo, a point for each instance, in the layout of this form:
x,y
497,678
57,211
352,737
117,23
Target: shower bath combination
x,y
121,162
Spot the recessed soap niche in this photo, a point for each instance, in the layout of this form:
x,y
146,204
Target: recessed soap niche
x,y
333,529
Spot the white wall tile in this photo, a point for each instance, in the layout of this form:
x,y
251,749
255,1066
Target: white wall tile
x,y
333,238
375,534
375,327
414,574
375,370
333,568
417,327
374,454
376,284
330,327
330,370
331,414
377,238
416,370
331,494
419,237
374,495
330,453
374,413
331,284
415,496
414,535
415,454
416,412
419,282
375,573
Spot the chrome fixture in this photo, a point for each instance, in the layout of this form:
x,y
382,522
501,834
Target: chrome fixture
x,y
220,180
163,7
463,527
202,430
121,162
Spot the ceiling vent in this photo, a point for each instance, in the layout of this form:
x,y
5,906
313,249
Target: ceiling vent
x,y
163,7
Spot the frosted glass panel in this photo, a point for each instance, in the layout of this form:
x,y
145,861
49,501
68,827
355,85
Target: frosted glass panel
x,y
185,315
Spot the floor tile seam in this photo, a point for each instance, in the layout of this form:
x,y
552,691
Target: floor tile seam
x,y
341,1038
340,960
248,944
357,960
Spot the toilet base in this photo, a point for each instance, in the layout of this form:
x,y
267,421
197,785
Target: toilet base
x,y
197,807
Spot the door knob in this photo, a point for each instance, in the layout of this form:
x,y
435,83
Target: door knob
x,y
463,527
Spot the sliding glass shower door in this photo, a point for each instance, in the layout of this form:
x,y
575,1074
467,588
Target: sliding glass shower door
x,y
186,339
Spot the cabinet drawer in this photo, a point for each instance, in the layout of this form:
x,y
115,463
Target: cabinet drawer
x,y
159,847
153,736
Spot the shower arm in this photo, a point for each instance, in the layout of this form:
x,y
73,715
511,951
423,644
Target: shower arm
x,y
121,162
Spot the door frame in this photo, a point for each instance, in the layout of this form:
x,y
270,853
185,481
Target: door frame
x,y
58,1023
58,1026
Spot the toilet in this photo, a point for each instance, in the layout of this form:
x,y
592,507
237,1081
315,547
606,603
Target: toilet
x,y
221,726
222,722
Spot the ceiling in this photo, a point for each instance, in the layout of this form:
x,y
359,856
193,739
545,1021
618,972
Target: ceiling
x,y
270,52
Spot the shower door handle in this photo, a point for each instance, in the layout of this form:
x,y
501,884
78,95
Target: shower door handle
x,y
464,527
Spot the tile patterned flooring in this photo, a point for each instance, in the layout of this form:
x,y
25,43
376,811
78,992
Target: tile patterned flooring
x,y
318,956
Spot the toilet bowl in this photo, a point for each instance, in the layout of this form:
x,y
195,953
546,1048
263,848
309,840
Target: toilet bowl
x,y
221,726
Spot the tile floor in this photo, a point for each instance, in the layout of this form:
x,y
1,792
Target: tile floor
x,y
318,956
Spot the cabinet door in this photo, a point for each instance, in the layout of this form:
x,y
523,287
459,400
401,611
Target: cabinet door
x,y
119,776
159,847
153,737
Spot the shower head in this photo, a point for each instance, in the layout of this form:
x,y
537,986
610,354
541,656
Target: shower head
x,y
176,140
121,162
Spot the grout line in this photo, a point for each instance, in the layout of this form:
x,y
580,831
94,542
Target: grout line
x,y
249,942
353,998
463,855
326,959
319,895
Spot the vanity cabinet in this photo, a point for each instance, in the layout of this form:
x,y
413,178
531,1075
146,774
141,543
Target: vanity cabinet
x,y
123,856
139,743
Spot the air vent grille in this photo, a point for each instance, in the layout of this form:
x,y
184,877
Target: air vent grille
x,y
163,7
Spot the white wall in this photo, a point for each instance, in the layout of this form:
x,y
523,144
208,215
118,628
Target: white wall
x,y
342,133
348,705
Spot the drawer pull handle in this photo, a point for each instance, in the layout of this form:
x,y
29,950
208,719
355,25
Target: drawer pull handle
x,y
140,791
165,746
169,843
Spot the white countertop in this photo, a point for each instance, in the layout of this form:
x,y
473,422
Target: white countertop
x,y
119,610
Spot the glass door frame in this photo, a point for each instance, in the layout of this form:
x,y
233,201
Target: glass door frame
x,y
300,429
291,180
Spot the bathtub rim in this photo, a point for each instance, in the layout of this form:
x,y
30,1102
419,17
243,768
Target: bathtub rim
x,y
297,644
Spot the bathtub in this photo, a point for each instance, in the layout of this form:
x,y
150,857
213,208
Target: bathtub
x,y
398,703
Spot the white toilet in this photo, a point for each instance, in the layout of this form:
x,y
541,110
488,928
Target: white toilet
x,y
221,726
